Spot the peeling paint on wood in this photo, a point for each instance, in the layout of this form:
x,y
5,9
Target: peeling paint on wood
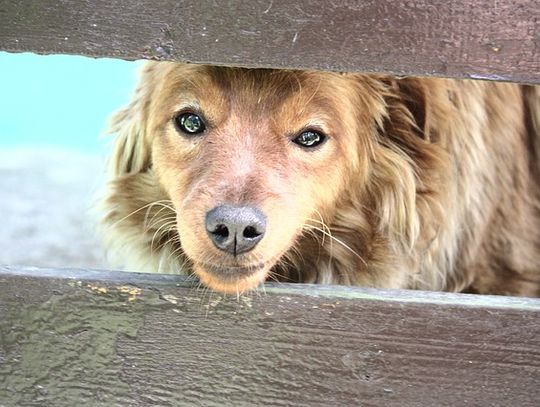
x,y
464,39
72,337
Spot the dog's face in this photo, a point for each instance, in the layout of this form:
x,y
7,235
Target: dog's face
x,y
242,154
304,176
249,158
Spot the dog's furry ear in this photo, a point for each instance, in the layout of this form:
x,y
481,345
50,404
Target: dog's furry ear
x,y
408,111
407,162
131,152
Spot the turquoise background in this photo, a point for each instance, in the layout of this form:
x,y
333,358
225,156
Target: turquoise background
x,y
61,101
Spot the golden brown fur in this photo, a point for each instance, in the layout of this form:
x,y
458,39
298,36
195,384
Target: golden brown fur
x,y
423,183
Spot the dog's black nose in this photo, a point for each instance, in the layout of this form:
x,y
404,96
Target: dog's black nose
x,y
235,230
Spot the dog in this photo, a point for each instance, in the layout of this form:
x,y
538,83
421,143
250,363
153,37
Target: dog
x,y
238,176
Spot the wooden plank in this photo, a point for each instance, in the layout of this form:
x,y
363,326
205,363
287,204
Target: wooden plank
x,y
496,40
94,338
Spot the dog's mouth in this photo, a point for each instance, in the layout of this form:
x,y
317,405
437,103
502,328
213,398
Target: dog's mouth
x,y
232,279
233,272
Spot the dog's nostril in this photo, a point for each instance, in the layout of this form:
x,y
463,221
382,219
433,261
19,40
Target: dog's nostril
x,y
235,230
221,231
250,232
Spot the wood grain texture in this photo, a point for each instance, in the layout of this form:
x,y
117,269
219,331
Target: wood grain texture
x,y
493,39
95,338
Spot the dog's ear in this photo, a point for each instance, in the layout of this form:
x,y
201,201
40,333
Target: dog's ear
x,y
131,152
408,162
408,110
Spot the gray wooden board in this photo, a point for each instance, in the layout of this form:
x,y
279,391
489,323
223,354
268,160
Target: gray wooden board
x,y
83,337
497,40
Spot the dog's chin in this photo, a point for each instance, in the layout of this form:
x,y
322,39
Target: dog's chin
x,y
231,280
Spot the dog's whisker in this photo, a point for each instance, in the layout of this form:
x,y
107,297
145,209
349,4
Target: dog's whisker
x,y
177,251
162,205
286,264
162,231
116,223
321,222
327,228
155,219
168,216
165,220
335,239
275,276
168,225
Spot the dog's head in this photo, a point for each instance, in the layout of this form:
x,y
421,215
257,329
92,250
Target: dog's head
x,y
250,158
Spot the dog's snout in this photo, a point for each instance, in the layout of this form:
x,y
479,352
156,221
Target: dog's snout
x,y
235,230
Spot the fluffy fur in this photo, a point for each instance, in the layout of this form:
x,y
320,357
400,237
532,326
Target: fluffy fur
x,y
423,183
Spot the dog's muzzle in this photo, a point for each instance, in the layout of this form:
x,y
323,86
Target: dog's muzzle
x,y
235,230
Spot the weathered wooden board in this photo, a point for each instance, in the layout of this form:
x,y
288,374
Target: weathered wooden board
x,y
491,39
94,338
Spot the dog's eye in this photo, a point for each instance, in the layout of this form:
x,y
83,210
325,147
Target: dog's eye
x,y
309,139
190,123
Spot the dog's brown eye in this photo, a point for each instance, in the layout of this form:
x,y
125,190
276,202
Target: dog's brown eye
x,y
189,123
309,139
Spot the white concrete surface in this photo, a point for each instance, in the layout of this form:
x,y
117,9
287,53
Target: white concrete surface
x,y
45,196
